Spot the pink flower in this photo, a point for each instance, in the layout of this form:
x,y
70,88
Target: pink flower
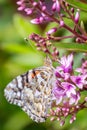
x,y
66,64
64,92
79,80
69,89
74,98
58,93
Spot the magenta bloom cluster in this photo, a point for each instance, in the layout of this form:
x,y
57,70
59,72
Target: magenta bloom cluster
x,y
31,6
68,84
67,89
54,11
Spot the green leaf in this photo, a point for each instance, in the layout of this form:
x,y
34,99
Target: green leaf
x,y
17,121
29,60
15,48
76,47
78,4
24,55
24,27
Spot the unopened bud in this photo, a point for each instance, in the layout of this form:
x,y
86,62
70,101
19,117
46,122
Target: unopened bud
x,y
77,17
35,21
28,11
19,2
34,4
21,8
56,6
72,10
61,23
52,30
78,40
52,119
43,8
62,123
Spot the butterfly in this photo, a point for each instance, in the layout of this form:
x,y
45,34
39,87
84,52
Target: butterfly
x,y
32,91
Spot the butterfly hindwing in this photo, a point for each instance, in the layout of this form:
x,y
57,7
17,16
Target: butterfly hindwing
x,y
32,92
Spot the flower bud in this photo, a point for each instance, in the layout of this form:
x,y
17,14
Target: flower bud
x,y
41,19
56,6
52,119
77,17
43,8
28,11
21,8
72,10
52,30
35,21
19,2
61,23
62,123
34,4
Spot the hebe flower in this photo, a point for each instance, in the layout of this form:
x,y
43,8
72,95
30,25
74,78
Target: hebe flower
x,y
66,64
52,12
69,82
64,87
67,91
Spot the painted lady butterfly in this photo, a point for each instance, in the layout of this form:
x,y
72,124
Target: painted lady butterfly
x,y
32,91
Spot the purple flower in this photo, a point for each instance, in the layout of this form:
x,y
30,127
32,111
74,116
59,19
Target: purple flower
x,y
61,75
58,93
83,69
69,89
79,80
66,64
74,98
64,92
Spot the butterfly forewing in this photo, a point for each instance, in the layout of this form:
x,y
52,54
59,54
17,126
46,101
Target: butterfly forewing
x,y
32,92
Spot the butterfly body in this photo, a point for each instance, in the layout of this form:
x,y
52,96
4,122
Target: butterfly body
x,y
32,91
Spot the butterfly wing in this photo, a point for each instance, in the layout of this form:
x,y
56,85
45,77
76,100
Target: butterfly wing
x,y
32,92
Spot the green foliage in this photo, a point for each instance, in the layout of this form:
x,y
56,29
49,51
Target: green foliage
x,y
18,56
78,4
24,27
76,47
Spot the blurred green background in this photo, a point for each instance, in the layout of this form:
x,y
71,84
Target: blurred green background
x,y
16,57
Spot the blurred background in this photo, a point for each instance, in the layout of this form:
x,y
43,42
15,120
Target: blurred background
x,y
16,57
